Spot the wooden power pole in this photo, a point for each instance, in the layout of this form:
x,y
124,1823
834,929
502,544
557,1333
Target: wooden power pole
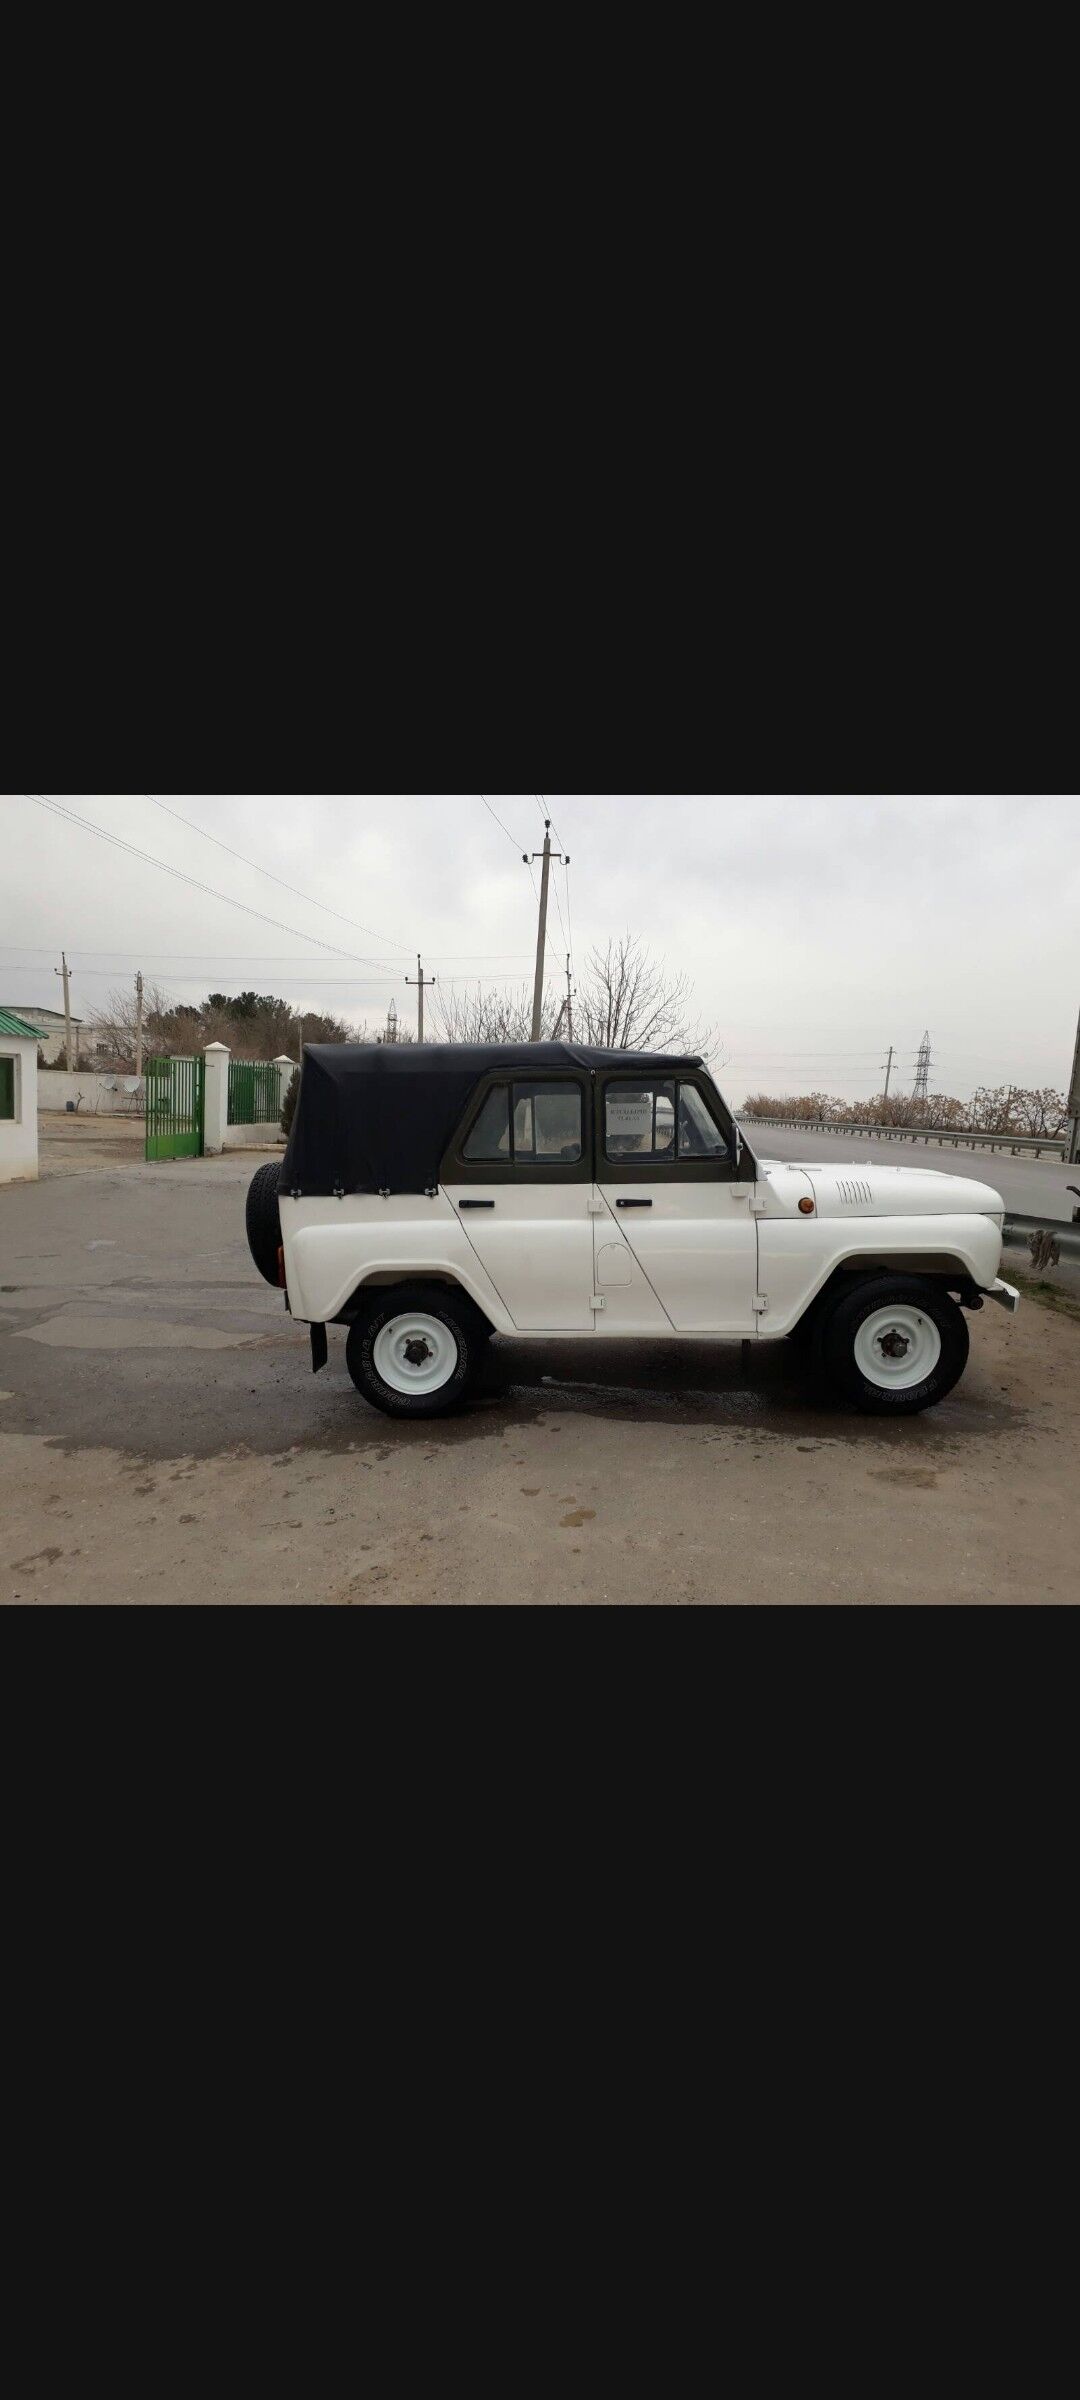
x,y
425,982
546,854
139,1025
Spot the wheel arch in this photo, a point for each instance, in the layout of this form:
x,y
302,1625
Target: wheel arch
x,y
380,1279
944,1266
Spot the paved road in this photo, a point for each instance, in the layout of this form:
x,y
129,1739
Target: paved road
x,y
1034,1187
162,1439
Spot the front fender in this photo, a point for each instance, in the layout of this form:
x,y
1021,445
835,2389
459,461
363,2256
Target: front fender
x,y
792,1268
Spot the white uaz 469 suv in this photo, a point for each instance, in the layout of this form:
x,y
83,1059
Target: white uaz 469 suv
x,y
432,1196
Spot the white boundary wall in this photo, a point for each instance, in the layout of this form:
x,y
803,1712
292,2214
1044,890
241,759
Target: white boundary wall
x,y
95,1099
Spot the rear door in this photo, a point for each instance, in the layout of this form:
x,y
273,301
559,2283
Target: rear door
x,y
519,1176
665,1174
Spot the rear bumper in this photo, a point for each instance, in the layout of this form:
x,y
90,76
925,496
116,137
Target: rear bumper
x,y
1005,1293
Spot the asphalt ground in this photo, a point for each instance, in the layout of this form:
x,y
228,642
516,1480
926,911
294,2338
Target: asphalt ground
x,y
162,1440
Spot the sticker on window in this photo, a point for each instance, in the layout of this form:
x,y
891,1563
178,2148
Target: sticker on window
x,y
631,1115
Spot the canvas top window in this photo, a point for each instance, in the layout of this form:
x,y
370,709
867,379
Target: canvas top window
x,y
527,1124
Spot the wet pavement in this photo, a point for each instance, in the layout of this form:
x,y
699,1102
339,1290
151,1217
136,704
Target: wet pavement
x,y
162,1438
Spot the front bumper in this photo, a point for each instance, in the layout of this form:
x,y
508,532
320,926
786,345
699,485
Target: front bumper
x,y
1005,1293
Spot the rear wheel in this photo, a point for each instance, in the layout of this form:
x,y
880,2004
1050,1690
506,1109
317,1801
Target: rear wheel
x,y
264,1220
415,1351
894,1345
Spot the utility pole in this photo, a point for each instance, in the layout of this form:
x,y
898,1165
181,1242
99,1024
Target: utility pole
x,y
425,982
888,1073
547,854
139,1024
569,1003
63,970
1072,1129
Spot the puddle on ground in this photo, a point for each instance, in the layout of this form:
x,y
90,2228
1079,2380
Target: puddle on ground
x,y
289,1416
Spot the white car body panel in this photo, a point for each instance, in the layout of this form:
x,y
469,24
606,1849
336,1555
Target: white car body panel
x,y
796,1255
701,1260
695,1244
861,1191
331,1246
535,1244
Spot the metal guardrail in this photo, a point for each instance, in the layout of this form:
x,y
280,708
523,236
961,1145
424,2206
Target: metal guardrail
x,y
961,1137
1019,1230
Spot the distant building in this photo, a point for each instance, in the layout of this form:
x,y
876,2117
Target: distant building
x,y
18,1099
49,1024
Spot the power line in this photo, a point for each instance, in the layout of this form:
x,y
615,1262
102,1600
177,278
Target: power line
x,y
506,829
70,816
224,958
543,808
502,828
278,879
330,983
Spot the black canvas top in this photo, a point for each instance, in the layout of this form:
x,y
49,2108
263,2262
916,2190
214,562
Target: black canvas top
x,y
377,1117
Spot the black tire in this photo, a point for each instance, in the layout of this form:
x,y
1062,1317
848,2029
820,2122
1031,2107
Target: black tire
x,y
449,1308
264,1220
840,1326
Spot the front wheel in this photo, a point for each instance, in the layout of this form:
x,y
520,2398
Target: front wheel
x,y
415,1351
895,1345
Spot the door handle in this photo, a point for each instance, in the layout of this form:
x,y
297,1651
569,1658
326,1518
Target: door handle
x,y
633,1203
476,1203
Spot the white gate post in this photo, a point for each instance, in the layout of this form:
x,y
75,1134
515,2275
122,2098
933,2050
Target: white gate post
x,y
216,1119
286,1068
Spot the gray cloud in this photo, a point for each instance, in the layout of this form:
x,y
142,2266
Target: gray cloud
x,y
817,931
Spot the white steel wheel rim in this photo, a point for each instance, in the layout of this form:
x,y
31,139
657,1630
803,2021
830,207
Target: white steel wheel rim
x,y
415,1353
896,1348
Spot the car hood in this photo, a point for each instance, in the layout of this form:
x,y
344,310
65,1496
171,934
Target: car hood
x,y
860,1190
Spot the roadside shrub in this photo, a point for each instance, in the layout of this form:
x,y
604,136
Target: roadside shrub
x,y
288,1107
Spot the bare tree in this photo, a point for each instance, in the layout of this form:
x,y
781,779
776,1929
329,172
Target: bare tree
x,y
629,1000
489,1013
1043,1111
112,1031
624,999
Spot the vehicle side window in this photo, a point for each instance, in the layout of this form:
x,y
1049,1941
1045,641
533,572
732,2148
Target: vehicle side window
x,y
547,1122
699,1133
661,1121
490,1136
639,1120
543,1128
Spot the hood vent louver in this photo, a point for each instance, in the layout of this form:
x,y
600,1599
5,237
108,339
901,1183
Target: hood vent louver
x,y
853,1193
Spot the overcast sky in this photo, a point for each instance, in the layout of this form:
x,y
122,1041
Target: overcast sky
x,y
817,931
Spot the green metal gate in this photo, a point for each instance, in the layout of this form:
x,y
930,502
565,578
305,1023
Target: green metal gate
x,y
175,1107
254,1093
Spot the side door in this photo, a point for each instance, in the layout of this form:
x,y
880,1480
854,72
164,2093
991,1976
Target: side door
x,y
519,1176
665,1173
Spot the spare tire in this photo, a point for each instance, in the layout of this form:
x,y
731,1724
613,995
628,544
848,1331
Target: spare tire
x,y
264,1220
